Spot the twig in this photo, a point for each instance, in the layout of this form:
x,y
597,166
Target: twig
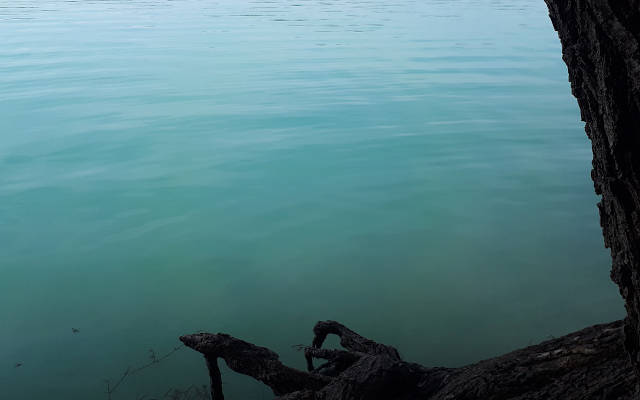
x,y
128,372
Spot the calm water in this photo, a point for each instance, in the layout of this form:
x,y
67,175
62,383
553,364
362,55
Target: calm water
x,y
415,169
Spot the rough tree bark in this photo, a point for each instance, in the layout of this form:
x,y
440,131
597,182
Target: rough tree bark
x,y
601,47
589,364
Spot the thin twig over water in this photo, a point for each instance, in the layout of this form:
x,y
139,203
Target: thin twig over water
x,y
111,389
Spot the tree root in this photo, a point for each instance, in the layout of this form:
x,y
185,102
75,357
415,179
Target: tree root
x,y
589,364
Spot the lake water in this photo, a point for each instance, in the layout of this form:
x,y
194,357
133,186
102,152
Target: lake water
x,y
414,169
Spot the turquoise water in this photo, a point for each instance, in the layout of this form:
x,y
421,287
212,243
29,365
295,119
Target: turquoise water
x,y
414,169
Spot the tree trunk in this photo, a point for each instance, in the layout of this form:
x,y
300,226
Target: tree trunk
x,y
601,47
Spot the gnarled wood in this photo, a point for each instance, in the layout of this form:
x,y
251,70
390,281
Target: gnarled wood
x,y
248,359
589,364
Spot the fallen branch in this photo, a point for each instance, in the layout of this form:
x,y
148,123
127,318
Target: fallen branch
x,y
589,364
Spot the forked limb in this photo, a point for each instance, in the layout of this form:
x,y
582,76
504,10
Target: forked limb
x,y
350,340
337,360
248,359
588,364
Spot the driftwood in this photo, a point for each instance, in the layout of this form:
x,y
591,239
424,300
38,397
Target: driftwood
x,y
588,364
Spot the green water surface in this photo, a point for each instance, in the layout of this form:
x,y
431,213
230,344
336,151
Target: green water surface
x,y
414,169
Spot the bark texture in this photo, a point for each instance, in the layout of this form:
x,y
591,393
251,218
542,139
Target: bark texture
x,y
589,364
600,45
